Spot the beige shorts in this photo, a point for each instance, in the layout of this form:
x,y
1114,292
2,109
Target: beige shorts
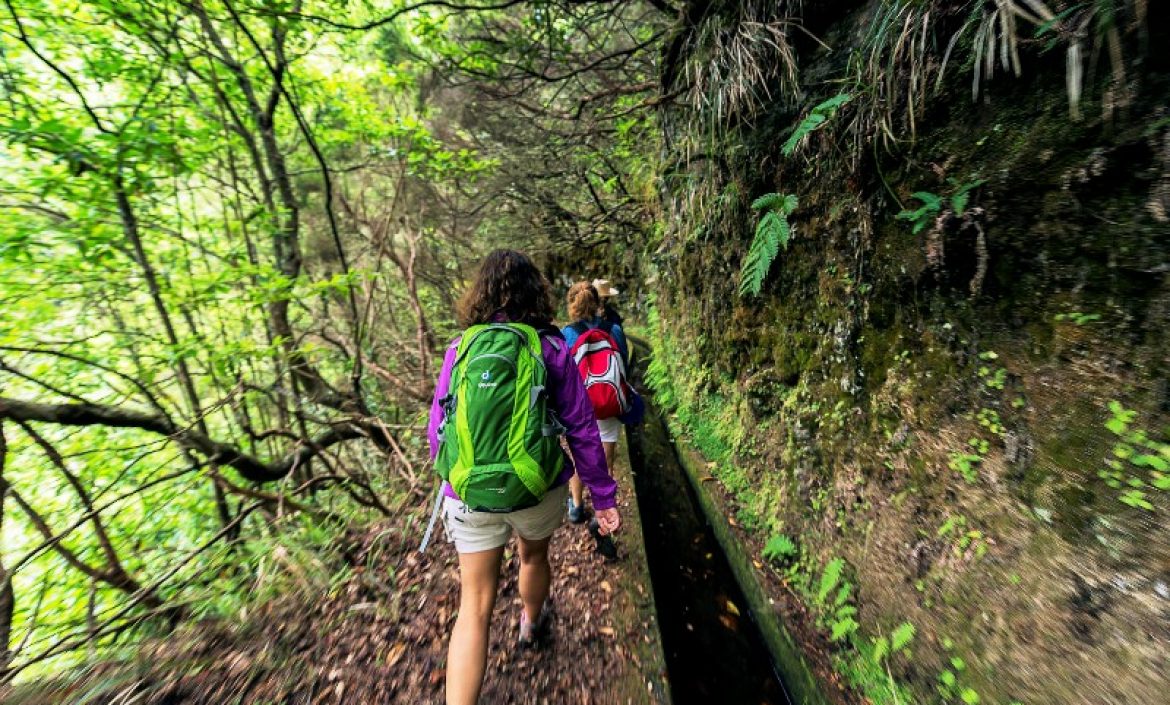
x,y
610,429
472,532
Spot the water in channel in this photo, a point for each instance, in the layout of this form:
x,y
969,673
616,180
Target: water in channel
x,y
714,651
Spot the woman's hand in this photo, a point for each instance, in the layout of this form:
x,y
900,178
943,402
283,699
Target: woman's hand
x,y
608,520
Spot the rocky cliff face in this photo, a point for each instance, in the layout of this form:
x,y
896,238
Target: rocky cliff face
x,y
954,377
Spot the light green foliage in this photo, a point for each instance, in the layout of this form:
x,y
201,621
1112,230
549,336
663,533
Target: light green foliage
x,y
966,464
772,234
950,680
902,635
829,578
169,252
950,525
815,120
843,625
898,640
989,419
780,549
962,538
1137,462
993,377
1078,318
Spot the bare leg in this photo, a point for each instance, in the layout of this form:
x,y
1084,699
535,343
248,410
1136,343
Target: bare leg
x,y
535,576
576,490
467,653
610,453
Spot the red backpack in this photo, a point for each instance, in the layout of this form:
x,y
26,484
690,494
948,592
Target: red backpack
x,y
599,362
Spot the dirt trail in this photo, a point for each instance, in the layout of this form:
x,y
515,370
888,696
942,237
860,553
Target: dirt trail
x,y
381,636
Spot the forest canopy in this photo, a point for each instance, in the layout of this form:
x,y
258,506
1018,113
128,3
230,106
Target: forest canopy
x,y
232,233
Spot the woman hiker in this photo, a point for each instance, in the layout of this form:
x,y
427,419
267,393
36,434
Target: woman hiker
x,y
606,292
584,305
507,388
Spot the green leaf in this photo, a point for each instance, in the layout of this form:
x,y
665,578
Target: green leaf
x,y
830,578
816,118
1136,498
846,611
969,696
959,202
902,635
881,647
1046,27
842,595
843,628
930,201
1151,461
767,202
779,548
948,678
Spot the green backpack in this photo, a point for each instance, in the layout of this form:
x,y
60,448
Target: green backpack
x,y
498,443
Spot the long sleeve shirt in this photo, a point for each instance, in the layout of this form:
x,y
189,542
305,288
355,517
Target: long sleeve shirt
x,y
568,400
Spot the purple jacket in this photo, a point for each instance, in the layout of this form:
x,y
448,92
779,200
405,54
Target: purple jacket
x,y
571,404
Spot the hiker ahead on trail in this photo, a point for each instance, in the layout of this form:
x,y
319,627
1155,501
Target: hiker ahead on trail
x,y
606,292
507,390
600,351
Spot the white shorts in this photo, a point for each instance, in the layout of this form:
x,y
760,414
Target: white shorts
x,y
472,532
610,429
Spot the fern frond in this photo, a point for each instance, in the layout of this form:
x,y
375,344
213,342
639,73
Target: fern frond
x,y
765,247
772,234
767,202
929,200
817,117
830,578
902,636
831,105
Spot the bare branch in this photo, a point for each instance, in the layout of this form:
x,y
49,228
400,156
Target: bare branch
x,y
249,467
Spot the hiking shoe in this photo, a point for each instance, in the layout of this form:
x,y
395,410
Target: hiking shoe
x,y
604,544
577,514
532,634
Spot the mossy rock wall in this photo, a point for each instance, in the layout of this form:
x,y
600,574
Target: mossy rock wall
x,y
955,411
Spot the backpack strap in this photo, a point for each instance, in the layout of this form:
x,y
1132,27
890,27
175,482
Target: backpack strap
x,y
422,548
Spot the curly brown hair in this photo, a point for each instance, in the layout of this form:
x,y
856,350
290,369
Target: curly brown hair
x,y
583,301
510,283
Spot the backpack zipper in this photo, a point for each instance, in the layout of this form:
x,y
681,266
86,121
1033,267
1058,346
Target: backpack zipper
x,y
503,326
493,355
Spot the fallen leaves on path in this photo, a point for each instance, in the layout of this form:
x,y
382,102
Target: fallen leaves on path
x,y
381,637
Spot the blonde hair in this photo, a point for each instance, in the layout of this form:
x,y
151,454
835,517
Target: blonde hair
x,y
583,301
